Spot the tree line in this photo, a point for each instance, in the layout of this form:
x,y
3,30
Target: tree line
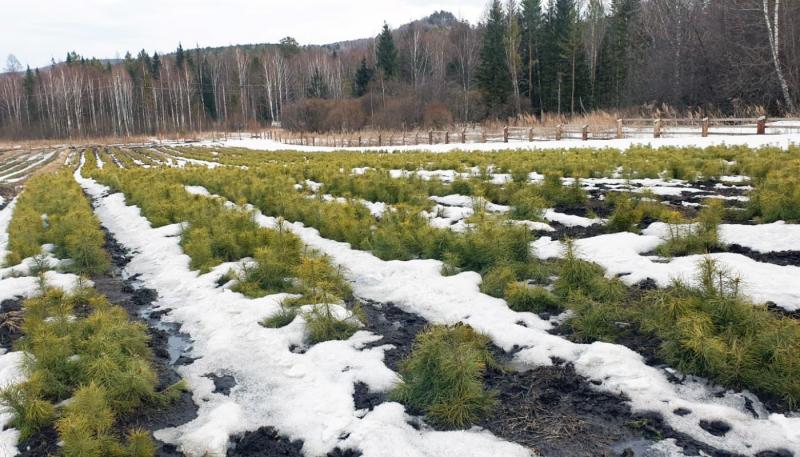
x,y
525,59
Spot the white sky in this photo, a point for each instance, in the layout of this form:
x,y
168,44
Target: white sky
x,y
37,30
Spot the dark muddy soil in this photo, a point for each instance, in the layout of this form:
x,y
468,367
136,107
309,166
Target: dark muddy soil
x,y
8,193
266,442
784,258
10,320
553,411
397,327
135,300
550,409
594,206
43,443
573,233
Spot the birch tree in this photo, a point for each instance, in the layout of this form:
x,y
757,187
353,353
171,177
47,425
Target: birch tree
x,y
774,32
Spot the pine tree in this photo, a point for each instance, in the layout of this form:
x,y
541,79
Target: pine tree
x,y
493,76
386,53
289,47
616,54
531,22
364,75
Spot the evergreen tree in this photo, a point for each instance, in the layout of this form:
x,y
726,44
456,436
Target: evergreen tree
x,y
493,76
317,87
207,90
28,87
156,66
531,21
574,55
180,57
73,57
364,75
616,54
144,62
289,47
565,78
386,53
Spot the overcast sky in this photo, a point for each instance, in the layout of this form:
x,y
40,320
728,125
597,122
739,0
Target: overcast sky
x,y
37,30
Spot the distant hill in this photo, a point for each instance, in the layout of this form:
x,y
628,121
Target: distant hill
x,y
439,19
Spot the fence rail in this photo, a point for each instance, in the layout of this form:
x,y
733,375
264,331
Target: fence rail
x,y
624,128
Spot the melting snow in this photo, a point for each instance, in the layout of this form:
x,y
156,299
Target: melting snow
x,y
417,286
620,254
306,396
765,238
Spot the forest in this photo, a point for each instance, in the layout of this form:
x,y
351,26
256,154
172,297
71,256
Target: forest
x,y
526,60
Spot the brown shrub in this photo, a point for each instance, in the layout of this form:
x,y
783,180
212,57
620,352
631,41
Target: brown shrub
x,y
399,113
437,116
305,115
345,116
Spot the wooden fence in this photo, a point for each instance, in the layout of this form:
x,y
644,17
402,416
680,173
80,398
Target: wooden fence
x,y
624,128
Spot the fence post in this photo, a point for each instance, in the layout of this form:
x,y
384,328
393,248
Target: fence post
x,y
530,134
359,141
585,132
313,141
447,137
705,127
430,136
559,132
761,125
657,128
380,140
505,134
464,136
483,135
416,138
619,129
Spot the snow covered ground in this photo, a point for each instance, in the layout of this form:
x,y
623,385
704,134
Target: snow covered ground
x,y
306,396
32,162
621,254
10,374
778,140
418,287
451,210
764,238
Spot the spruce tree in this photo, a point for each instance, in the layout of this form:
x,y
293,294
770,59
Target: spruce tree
x,y
156,66
180,57
364,75
317,87
574,55
207,90
29,86
531,21
565,73
616,54
387,53
493,76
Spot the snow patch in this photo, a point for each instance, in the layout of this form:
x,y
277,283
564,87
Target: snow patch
x,y
306,396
